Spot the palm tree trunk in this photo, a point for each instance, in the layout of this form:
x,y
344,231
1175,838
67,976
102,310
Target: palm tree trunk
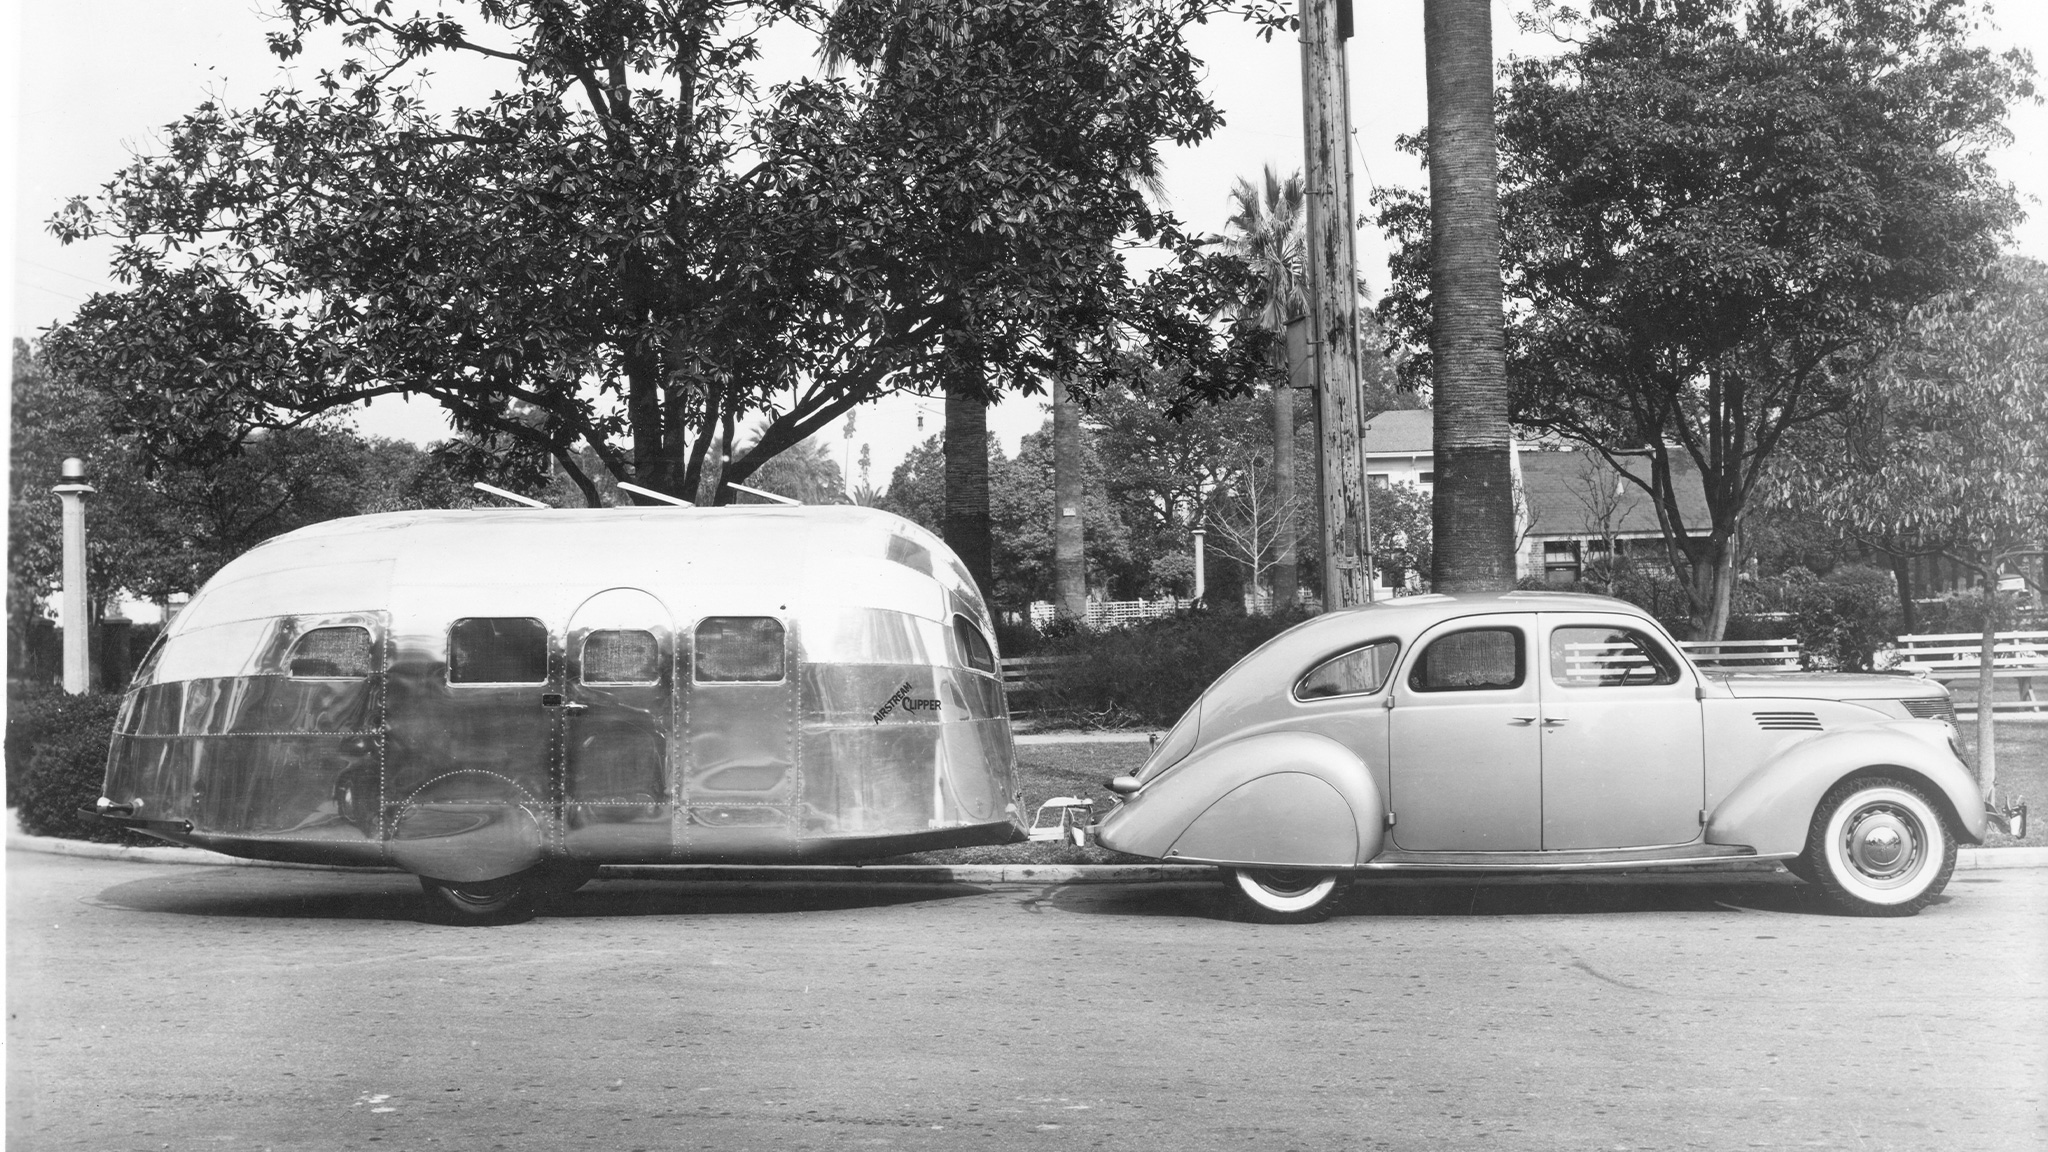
x,y
966,524
1069,541
1473,513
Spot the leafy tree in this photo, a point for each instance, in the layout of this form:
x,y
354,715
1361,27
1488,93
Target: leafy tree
x,y
631,246
1945,448
156,528
1717,215
917,487
805,472
1023,518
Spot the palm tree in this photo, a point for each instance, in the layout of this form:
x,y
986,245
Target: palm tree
x,y
1474,513
1267,232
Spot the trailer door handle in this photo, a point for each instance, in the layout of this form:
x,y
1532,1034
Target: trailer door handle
x,y
555,700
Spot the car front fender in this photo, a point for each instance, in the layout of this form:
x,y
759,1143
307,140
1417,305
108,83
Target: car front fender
x,y
1276,799
1771,809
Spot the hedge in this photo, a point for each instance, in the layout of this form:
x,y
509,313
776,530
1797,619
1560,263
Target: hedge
x,y
1147,674
57,761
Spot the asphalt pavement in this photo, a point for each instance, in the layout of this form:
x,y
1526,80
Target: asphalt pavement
x,y
157,1006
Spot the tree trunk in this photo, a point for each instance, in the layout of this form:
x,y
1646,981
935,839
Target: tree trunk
x,y
1284,558
1987,687
1902,575
966,524
1473,510
1069,541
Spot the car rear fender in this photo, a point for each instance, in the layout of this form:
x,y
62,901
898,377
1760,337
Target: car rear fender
x,y
1771,809
1277,798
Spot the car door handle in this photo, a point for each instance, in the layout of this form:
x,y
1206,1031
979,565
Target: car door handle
x,y
1521,719
1554,721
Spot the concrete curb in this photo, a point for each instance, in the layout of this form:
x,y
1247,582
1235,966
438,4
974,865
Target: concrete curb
x,y
1966,858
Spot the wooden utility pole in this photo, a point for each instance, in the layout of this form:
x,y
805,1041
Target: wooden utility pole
x,y
1333,297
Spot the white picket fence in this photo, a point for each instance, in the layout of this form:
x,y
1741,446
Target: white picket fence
x,y
1110,613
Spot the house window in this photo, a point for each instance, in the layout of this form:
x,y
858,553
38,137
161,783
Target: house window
x,y
1560,561
1429,477
1377,479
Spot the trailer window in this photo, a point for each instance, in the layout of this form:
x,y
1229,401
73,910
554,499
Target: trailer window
x,y
621,656
331,654
739,648
498,650
974,650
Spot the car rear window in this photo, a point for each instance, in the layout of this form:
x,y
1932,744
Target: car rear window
x,y
1359,672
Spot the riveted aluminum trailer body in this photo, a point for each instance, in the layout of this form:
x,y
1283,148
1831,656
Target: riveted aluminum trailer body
x,y
467,694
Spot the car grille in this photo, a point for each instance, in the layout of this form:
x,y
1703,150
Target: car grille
x,y
1932,708
1788,721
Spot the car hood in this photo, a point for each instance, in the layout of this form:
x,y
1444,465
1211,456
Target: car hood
x,y
1826,685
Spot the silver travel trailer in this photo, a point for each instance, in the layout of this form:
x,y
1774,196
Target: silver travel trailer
x,y
502,700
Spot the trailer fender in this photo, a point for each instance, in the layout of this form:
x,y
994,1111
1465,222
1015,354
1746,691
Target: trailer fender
x,y
484,831
1772,808
1279,799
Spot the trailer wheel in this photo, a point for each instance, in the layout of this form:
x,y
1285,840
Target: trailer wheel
x,y
506,900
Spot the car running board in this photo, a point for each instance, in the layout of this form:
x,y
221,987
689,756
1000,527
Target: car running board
x,y
1564,861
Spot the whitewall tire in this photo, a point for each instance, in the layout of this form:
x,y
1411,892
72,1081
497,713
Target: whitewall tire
x,y
1879,847
1286,895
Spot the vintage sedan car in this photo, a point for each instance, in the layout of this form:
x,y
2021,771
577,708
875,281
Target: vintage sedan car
x,y
1537,731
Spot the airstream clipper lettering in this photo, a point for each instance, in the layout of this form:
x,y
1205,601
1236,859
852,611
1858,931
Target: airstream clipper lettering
x,y
502,700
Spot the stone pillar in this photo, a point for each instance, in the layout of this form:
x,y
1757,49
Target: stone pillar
x,y
77,616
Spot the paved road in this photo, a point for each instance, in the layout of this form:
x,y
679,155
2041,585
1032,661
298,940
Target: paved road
x,y
192,1007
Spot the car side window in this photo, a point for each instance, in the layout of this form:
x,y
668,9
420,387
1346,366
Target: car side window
x,y
1602,657
1479,659
1359,672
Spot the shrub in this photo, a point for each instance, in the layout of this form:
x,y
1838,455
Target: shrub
x,y
1964,612
29,709
1148,674
1840,620
66,764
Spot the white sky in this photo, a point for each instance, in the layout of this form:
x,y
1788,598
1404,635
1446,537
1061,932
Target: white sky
x,y
96,79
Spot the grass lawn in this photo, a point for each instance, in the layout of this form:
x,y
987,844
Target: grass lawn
x,y
2022,747
1047,770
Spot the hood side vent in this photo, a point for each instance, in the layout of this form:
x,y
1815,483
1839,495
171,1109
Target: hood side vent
x,y
1788,721
1932,708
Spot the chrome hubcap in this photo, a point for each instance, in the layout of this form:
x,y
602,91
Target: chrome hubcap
x,y
1882,843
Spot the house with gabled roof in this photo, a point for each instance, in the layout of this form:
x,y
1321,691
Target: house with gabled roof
x,y
1575,511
